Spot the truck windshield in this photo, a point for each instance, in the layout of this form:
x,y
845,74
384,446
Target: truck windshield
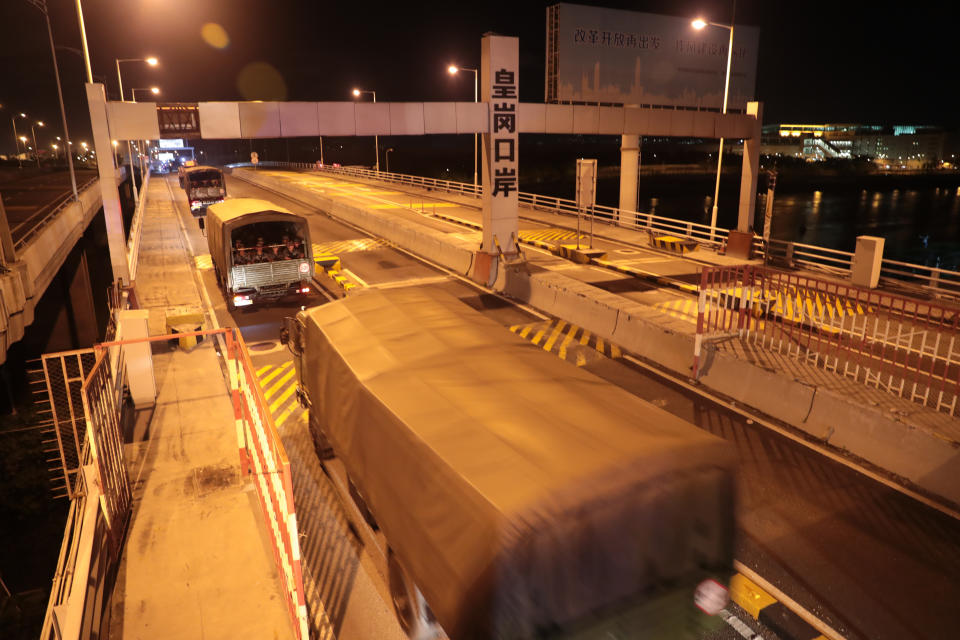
x,y
196,177
268,242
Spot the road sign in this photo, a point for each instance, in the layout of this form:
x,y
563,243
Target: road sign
x,y
586,191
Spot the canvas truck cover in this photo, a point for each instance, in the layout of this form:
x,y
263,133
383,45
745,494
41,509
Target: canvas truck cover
x,y
519,491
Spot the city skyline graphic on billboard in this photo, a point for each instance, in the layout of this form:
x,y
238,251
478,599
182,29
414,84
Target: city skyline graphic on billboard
x,y
597,55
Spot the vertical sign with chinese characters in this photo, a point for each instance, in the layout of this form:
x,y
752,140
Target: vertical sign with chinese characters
x,y
500,80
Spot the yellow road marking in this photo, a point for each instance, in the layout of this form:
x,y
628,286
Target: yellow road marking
x,y
548,345
581,359
284,379
262,370
526,331
615,351
585,337
279,420
274,374
599,344
567,340
283,397
539,335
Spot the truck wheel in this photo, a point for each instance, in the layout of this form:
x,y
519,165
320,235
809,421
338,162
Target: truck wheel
x,y
412,611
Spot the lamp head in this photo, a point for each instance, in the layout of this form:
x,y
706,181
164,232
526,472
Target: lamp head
x,y
23,139
154,90
452,69
356,92
40,123
152,61
699,23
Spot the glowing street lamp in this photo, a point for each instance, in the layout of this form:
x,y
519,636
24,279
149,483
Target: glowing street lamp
x,y
150,61
452,70
16,136
36,149
376,141
699,24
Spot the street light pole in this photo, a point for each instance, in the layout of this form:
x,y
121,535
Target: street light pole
x,y
476,85
700,24
63,111
388,158
83,41
36,149
376,141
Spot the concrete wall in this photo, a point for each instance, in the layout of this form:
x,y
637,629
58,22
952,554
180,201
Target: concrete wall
x,y
38,263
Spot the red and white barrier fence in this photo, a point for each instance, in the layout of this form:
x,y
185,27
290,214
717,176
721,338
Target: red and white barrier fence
x,y
97,526
905,346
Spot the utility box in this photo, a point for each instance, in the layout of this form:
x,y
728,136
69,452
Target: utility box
x,y
865,270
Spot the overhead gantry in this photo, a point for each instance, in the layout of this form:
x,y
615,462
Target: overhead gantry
x,y
499,118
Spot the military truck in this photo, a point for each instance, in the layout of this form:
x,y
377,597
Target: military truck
x,y
519,496
260,251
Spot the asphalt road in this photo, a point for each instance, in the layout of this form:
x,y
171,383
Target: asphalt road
x,y
26,198
867,560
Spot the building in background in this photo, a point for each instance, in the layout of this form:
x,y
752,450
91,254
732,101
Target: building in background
x,y
891,146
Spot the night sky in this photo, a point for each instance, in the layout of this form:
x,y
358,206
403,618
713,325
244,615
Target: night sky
x,y
869,62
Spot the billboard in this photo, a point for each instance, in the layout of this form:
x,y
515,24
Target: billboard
x,y
611,56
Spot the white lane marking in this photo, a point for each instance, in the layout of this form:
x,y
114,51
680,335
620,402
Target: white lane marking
x,y
360,281
198,281
412,282
738,625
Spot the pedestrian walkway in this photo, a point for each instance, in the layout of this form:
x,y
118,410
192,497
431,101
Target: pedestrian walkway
x,y
197,561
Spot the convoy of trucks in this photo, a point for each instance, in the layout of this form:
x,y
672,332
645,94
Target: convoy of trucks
x,y
519,496
204,186
260,251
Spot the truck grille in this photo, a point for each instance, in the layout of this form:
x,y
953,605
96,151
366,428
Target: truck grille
x,y
260,275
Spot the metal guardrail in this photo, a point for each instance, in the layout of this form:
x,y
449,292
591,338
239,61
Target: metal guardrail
x,y
937,281
907,347
55,209
101,503
133,240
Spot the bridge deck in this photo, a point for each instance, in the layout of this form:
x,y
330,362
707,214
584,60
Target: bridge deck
x,y
27,197
197,561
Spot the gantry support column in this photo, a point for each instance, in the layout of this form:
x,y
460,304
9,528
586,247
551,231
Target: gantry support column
x,y
751,171
113,215
629,167
499,88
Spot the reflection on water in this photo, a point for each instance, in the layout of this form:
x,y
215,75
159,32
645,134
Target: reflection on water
x,y
919,225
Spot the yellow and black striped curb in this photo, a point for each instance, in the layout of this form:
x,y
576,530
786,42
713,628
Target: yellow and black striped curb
x,y
767,610
566,340
336,247
279,386
673,244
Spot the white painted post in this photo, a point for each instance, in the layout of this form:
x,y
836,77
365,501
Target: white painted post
x,y
751,171
629,166
499,87
133,324
113,215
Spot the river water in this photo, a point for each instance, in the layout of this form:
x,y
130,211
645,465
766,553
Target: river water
x,y
921,223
